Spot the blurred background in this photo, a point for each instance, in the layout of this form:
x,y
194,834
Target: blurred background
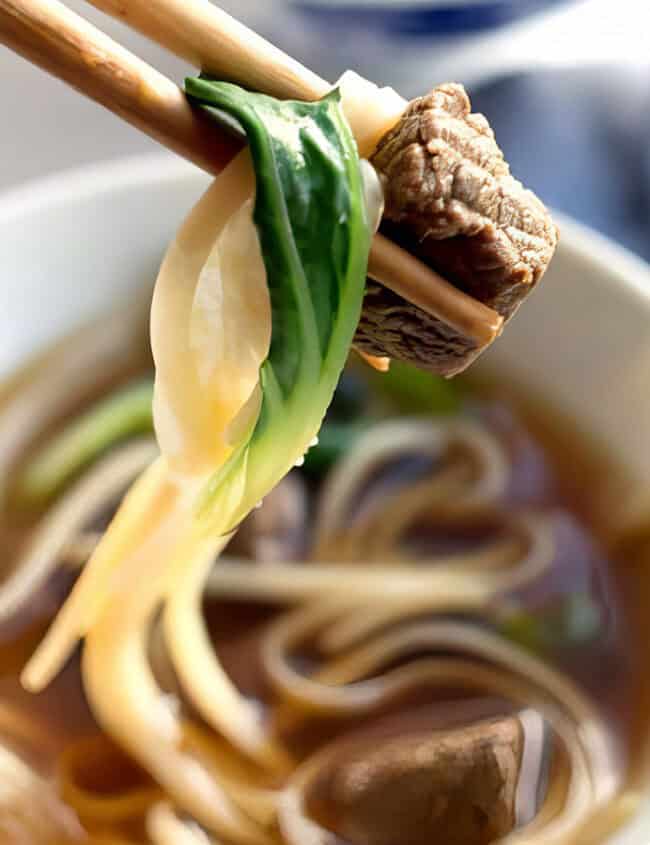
x,y
566,86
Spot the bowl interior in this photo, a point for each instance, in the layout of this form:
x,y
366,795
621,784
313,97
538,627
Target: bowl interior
x,y
73,244
582,344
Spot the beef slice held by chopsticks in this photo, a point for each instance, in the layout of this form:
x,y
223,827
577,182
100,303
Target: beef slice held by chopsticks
x,y
451,200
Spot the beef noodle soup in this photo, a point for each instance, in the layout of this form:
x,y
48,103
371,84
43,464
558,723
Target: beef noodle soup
x,y
424,615
337,606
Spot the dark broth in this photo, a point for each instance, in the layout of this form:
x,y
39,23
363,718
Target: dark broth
x,y
611,664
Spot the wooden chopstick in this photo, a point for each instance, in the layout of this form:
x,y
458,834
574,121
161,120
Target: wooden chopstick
x,y
211,39
64,44
70,48
464,313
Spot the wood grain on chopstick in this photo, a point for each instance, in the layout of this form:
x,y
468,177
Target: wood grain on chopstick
x,y
64,44
210,39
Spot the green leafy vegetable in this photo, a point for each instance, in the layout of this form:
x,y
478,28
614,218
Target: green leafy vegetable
x,y
121,415
311,220
416,391
335,440
566,623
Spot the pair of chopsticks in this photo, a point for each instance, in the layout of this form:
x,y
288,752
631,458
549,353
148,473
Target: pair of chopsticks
x,y
67,46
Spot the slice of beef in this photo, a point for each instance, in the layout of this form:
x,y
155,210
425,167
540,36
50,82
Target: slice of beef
x,y
452,201
457,787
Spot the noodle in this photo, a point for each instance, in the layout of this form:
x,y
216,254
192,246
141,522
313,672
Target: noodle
x,y
142,502
392,439
132,709
101,484
200,673
30,810
165,828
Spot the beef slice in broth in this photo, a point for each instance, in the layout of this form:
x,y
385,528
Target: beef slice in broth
x,y
458,787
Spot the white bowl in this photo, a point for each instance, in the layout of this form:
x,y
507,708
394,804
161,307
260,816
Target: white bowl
x,y
70,245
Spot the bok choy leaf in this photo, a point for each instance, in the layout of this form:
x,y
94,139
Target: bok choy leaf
x,y
314,234
123,414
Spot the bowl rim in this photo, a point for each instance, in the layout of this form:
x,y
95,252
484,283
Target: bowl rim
x,y
85,180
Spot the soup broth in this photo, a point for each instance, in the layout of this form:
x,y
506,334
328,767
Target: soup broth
x,y
432,583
